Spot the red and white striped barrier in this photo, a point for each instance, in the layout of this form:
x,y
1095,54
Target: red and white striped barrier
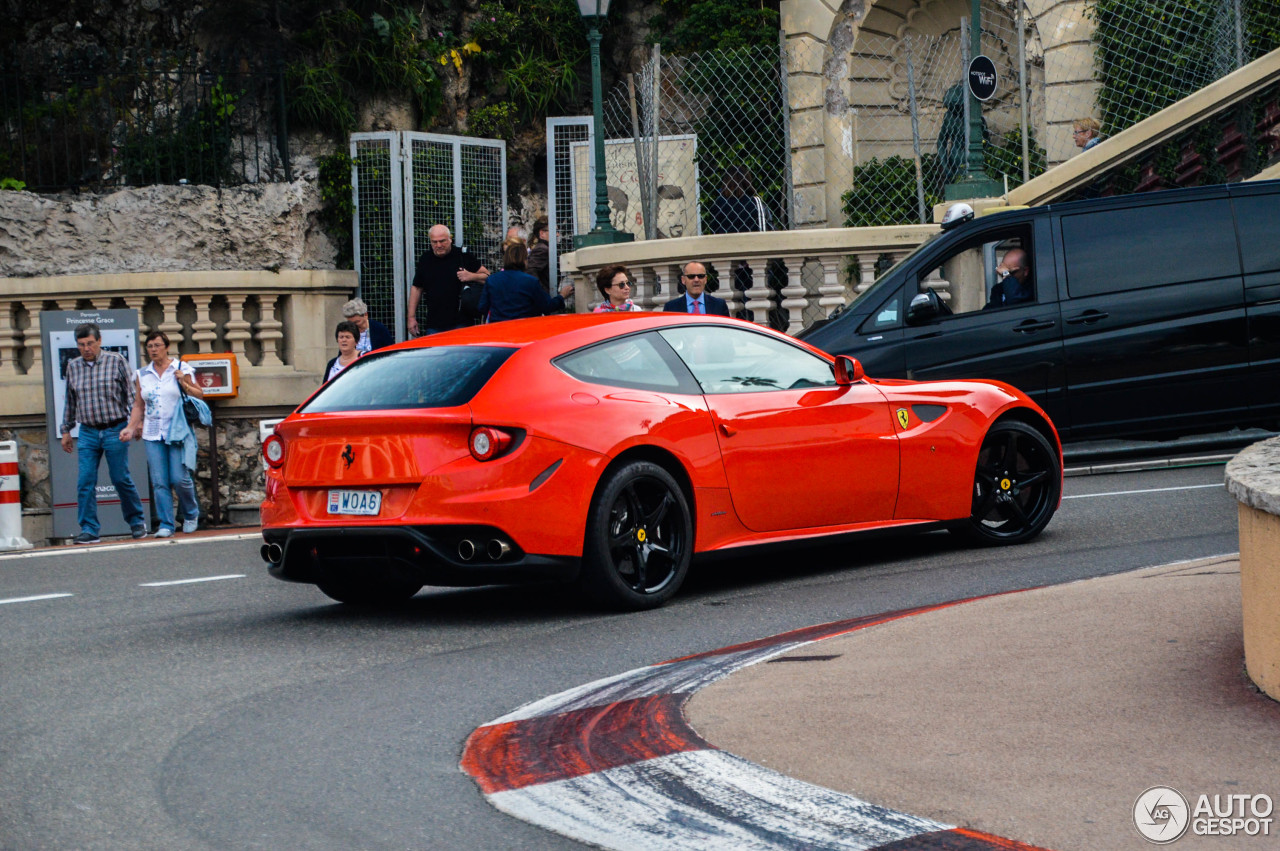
x,y
10,499
614,763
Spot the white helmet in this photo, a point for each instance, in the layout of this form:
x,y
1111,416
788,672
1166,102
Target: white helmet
x,y
957,214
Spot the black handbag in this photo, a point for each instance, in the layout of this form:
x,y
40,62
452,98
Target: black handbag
x,y
189,409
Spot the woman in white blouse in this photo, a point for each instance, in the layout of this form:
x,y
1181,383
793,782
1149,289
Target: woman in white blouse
x,y
155,402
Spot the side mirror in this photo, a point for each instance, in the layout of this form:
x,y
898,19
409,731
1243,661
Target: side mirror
x,y
922,309
848,370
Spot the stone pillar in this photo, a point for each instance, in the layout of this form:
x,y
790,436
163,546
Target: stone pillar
x,y
759,297
10,337
169,323
237,329
866,272
204,331
644,292
31,338
793,296
269,332
831,291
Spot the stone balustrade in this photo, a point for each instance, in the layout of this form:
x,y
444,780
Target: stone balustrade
x,y
1253,478
792,278
279,325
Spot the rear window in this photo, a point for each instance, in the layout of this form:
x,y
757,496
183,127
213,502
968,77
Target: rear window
x,y
437,377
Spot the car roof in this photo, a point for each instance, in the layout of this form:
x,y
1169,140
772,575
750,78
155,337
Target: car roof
x,y
567,331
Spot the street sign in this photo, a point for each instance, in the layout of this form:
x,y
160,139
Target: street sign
x,y
982,78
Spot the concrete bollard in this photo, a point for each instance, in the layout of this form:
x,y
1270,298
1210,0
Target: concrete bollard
x,y
10,499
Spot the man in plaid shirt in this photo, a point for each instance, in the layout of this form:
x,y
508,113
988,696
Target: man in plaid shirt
x,y
100,397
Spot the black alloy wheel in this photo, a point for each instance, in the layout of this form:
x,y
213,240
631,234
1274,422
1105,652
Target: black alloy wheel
x,y
369,591
639,538
1016,485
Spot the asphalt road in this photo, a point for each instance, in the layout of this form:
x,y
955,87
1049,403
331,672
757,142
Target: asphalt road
x,y
242,712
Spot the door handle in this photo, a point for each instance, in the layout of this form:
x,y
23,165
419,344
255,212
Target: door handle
x,y
728,430
1088,317
1032,325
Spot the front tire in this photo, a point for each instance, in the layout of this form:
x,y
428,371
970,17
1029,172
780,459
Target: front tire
x,y
1016,486
369,592
639,539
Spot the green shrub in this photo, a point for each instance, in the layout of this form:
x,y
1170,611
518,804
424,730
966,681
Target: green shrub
x,y
884,192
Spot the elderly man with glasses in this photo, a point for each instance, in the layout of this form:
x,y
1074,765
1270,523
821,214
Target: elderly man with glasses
x,y
696,299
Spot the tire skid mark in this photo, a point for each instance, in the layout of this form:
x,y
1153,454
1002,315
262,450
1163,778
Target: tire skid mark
x,y
616,764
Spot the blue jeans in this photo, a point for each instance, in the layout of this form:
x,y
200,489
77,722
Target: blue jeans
x,y
92,444
164,461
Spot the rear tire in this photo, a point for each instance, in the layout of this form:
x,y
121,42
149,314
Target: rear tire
x,y
369,592
639,539
1016,486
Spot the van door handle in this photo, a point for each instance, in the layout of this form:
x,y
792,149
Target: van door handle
x,y
1032,325
1087,318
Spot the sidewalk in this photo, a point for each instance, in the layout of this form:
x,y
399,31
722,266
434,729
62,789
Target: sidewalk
x,y
1039,716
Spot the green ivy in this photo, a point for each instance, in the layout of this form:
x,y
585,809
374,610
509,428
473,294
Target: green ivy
x,y
535,47
884,191
338,211
696,26
348,56
1150,54
496,121
195,146
12,183
1003,156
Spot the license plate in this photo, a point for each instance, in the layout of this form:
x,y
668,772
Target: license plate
x,y
355,502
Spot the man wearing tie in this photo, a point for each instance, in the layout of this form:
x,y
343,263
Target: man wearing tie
x,y
695,299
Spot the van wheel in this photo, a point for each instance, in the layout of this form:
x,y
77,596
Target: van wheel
x,y
639,539
1015,487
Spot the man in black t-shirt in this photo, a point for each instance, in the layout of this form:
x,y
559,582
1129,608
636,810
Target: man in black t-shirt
x,y
440,275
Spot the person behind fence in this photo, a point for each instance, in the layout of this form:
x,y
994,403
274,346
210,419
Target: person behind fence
x,y
539,262
737,209
1086,132
1014,285
373,334
614,283
346,334
100,393
696,299
515,294
440,277
156,401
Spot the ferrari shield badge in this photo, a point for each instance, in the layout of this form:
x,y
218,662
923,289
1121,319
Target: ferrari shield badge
x,y
902,417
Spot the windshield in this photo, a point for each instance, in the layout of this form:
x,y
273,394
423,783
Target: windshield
x,y
436,377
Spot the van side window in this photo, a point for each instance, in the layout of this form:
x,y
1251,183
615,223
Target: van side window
x,y
1255,220
1136,247
991,271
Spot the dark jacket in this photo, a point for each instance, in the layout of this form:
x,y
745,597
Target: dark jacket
x,y
511,294
539,265
715,306
379,335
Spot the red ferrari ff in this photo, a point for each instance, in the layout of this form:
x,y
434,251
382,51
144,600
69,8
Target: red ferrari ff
x,y
608,450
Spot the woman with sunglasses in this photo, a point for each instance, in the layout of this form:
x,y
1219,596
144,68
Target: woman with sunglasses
x,y
614,283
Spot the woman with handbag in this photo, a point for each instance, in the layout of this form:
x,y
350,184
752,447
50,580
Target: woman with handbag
x,y
160,388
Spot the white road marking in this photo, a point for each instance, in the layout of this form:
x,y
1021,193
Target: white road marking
x,y
1147,490
190,581
147,542
33,599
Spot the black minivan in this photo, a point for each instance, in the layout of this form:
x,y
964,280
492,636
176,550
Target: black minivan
x,y
1142,314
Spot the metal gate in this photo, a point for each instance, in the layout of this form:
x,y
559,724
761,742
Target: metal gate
x,y
402,184
564,135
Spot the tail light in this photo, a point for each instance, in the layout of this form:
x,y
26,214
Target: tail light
x,y
273,451
488,442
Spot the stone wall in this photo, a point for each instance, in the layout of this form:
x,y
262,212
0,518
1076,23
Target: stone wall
x,y
164,228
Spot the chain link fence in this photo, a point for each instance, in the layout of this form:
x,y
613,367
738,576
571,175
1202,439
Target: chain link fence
x,y
872,133
97,121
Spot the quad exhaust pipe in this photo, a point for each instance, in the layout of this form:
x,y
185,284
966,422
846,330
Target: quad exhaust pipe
x,y
497,549
272,553
466,549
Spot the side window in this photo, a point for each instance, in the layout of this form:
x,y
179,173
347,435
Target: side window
x,y
1256,218
1137,247
993,270
887,315
729,360
635,361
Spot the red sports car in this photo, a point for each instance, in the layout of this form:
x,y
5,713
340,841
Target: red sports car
x,y
608,450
